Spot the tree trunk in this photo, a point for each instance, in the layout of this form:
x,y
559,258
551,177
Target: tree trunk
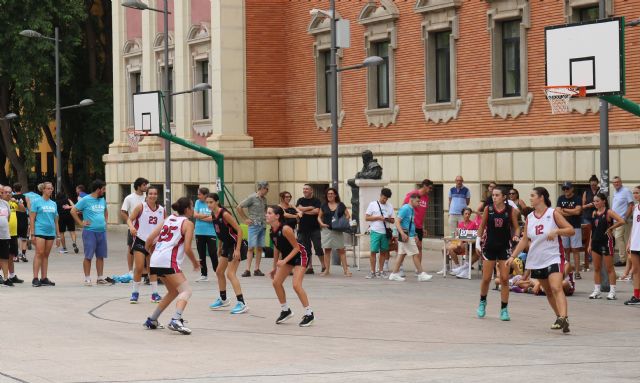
x,y
50,139
7,138
90,39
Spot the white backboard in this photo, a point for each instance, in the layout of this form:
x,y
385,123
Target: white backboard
x,y
146,113
586,54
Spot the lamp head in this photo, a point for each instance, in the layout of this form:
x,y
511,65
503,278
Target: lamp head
x,y
372,61
135,4
201,87
30,33
10,116
86,102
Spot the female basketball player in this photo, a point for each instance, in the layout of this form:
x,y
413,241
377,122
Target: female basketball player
x,y
288,255
143,219
500,221
172,240
542,231
231,248
603,244
633,248
44,229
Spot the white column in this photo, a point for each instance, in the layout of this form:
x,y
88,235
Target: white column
x,y
119,84
181,70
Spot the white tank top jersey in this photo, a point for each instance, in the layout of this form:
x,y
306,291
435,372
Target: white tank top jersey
x,y
542,252
635,229
147,220
169,251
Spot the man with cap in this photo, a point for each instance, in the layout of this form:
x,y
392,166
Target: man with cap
x,y
570,206
256,205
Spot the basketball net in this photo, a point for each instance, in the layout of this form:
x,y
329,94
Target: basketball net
x,y
559,97
134,138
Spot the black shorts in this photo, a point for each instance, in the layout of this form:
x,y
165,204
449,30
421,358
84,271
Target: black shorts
x,y
4,249
162,271
23,227
298,260
489,254
545,272
138,245
419,233
604,247
227,251
13,246
46,237
67,224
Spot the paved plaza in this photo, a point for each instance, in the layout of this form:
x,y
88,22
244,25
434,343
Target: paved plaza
x,y
365,331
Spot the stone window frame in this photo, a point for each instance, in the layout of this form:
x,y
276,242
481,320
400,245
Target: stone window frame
x,y
320,29
199,43
380,25
500,11
583,105
439,16
158,48
132,55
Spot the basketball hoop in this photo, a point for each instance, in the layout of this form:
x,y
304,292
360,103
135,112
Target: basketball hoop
x,y
559,97
134,138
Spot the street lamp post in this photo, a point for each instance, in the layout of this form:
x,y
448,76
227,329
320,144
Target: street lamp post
x,y
137,4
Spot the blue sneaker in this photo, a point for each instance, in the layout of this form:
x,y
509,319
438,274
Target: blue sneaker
x,y
482,309
151,324
134,298
155,298
504,314
239,308
218,304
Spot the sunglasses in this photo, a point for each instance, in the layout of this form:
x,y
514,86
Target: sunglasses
x,y
512,193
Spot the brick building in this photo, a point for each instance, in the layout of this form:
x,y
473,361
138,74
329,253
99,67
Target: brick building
x,y
460,92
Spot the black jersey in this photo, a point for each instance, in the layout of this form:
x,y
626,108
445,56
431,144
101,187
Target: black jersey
x,y
224,231
498,228
23,198
283,245
599,225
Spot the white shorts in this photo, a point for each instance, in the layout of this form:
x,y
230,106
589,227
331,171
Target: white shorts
x,y
409,248
573,242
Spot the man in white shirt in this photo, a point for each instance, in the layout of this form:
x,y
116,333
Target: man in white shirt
x,y
134,199
380,216
623,205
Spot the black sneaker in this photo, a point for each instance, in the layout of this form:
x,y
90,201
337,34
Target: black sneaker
x,y
284,316
46,282
7,282
556,325
36,282
633,301
306,320
246,273
15,279
310,271
258,273
564,324
75,248
23,258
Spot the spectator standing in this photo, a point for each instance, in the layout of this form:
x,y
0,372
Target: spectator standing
x,y
290,212
378,214
420,211
570,206
587,214
66,223
332,239
81,192
140,186
15,206
5,239
23,221
623,206
488,200
309,227
44,229
94,236
256,205
205,235
459,198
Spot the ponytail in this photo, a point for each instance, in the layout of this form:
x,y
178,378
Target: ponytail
x,y
542,192
181,205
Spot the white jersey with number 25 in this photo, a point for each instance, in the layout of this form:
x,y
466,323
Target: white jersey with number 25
x,y
169,251
543,252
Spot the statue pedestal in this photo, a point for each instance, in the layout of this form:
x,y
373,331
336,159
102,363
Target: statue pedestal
x,y
369,191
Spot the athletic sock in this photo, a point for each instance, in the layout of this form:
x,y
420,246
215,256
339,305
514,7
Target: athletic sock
x,y
11,275
284,306
503,305
154,287
596,288
156,314
613,289
636,293
483,298
177,315
136,286
308,311
240,298
223,295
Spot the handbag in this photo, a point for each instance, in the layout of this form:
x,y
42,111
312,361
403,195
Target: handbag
x,y
408,230
341,223
387,230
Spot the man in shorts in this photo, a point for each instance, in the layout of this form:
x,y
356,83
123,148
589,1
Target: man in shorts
x,y
420,211
407,241
570,206
14,207
5,238
23,221
256,205
130,202
379,214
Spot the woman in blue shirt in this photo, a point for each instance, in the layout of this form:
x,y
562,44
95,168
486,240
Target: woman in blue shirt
x,y
44,229
205,235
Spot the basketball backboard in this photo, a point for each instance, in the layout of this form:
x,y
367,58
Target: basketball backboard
x,y
146,113
589,54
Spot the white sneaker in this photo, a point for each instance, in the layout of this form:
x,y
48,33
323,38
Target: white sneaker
x,y
424,277
595,295
441,272
611,296
87,282
463,274
63,251
396,277
456,270
371,275
203,278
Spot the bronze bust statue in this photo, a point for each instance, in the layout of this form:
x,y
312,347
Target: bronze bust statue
x,y
371,170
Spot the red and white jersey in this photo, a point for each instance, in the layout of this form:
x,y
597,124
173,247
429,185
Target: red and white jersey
x,y
635,229
542,252
147,220
169,251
